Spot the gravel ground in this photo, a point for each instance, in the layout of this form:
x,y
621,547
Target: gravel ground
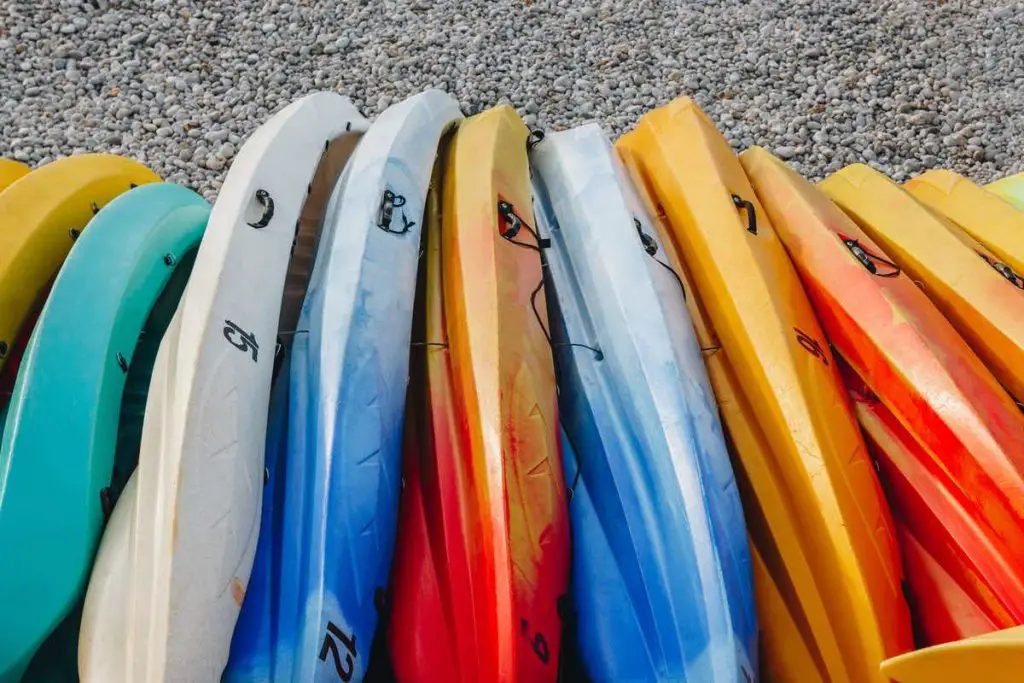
x,y
904,85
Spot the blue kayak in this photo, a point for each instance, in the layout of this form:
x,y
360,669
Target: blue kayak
x,y
315,616
72,433
661,586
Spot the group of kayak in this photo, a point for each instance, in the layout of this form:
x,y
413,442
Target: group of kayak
x,y
434,398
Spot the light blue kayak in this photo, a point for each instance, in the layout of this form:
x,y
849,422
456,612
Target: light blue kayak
x,y
72,432
661,584
337,513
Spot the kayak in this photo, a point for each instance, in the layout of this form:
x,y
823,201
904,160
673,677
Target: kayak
x,y
58,484
821,532
180,555
252,650
662,585
11,170
994,658
951,582
985,216
968,432
1010,188
348,381
489,577
40,218
960,276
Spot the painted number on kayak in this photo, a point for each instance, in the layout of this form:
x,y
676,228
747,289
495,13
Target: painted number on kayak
x,y
331,646
240,339
811,344
537,642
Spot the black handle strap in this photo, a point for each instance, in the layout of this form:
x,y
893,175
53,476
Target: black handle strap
x,y
742,204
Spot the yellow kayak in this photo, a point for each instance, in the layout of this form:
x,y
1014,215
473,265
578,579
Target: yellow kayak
x,y
10,171
1010,188
827,570
40,217
992,658
983,215
957,273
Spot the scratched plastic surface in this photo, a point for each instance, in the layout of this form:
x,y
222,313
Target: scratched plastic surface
x,y
816,514
662,584
348,380
903,349
96,312
478,591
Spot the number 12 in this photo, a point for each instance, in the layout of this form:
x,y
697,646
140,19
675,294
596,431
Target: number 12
x,y
345,673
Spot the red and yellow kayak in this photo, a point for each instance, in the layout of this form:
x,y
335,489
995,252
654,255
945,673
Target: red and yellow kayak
x,y
977,292
960,582
483,558
968,433
826,568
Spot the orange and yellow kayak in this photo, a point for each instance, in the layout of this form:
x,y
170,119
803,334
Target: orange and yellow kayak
x,y
984,215
968,283
967,432
827,571
483,558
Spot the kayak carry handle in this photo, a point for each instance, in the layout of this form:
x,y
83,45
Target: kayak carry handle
x,y
741,203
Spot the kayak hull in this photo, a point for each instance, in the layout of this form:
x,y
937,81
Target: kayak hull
x,y
41,216
348,385
10,171
662,586
194,519
957,273
909,356
55,483
994,658
815,510
501,535
987,217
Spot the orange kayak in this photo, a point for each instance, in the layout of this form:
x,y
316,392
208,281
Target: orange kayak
x,y
984,215
826,568
978,294
960,582
483,556
968,433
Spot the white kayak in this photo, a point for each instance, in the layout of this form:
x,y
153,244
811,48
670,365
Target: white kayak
x,y
338,514
175,559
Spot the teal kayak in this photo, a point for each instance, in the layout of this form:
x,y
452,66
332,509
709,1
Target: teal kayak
x,y
72,431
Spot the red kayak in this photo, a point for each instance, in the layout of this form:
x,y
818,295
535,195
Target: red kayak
x,y
950,602
482,561
959,480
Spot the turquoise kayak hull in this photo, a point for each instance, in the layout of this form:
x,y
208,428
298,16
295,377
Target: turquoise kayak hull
x,y
72,430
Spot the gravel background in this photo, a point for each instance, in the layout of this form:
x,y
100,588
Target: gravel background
x,y
904,85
